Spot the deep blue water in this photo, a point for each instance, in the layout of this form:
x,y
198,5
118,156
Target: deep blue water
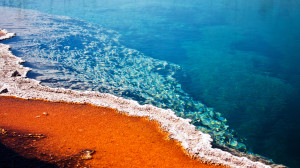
x,y
239,57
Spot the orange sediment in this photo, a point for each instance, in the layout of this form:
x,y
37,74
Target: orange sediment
x,y
118,140
2,33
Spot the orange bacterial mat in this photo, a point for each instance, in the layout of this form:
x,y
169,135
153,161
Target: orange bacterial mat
x,y
118,140
2,33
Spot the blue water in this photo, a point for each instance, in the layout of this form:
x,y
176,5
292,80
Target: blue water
x,y
239,57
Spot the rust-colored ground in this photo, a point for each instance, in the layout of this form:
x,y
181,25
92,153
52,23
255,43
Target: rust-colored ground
x,y
119,140
2,34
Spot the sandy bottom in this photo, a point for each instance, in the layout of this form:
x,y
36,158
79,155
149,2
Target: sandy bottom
x,y
118,140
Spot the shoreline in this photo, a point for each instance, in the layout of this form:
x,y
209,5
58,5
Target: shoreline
x,y
13,82
4,34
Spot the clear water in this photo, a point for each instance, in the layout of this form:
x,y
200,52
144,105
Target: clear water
x,y
239,57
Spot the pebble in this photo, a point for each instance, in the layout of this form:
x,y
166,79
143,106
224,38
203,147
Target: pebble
x,y
87,154
3,131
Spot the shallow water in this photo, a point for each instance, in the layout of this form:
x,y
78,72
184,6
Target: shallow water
x,y
241,58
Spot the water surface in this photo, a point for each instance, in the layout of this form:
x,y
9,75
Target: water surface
x,y
239,57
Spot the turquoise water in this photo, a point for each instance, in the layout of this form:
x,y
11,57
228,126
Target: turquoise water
x,y
239,57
